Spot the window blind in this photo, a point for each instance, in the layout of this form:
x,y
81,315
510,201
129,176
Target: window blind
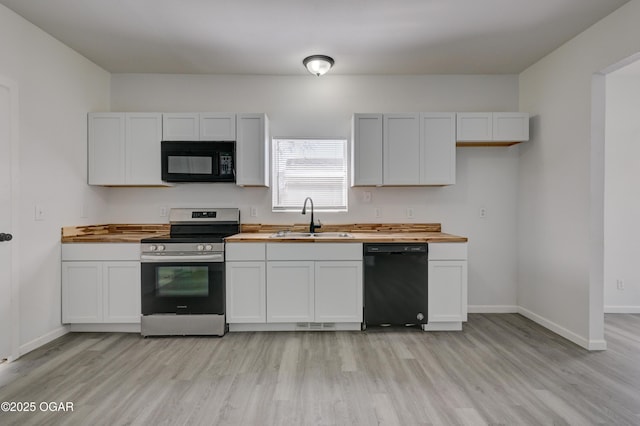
x,y
315,168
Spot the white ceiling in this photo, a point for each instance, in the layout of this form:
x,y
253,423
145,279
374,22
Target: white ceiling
x,y
273,36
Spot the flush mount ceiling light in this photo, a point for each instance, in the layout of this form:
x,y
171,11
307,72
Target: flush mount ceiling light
x,y
318,64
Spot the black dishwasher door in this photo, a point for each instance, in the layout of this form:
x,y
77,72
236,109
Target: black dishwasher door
x,y
395,284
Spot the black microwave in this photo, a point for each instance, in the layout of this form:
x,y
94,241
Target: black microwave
x,y
198,161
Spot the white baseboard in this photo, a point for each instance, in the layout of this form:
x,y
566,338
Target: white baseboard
x,y
105,328
592,345
42,340
622,309
492,309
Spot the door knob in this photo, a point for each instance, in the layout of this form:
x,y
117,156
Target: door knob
x,y
5,237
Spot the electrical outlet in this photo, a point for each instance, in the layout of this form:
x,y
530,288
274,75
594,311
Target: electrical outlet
x,y
163,211
253,212
410,214
366,197
376,212
482,213
620,285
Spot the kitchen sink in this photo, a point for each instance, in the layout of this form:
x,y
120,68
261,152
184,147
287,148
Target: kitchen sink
x,y
332,235
293,235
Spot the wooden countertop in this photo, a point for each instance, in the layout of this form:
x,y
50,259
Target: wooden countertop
x,y
358,237
362,233
112,233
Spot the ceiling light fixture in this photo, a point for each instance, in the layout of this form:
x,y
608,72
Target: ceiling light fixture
x,y
318,64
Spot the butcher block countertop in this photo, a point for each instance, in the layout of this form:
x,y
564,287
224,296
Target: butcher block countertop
x,y
358,237
112,233
362,233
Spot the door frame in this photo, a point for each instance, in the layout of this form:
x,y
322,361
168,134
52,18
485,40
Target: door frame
x,y
14,302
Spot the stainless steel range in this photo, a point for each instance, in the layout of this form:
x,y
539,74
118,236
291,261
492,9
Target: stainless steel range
x,y
183,280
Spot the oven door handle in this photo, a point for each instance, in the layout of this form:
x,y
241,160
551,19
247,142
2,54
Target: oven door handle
x,y
198,258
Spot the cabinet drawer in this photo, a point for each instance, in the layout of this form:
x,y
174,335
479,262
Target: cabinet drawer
x,y
314,251
100,251
448,251
245,251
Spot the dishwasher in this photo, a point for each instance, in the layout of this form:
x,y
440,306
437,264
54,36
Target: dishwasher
x,y
395,284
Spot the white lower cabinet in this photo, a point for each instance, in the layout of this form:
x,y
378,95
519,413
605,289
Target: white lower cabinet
x,y
283,286
121,292
338,291
290,294
81,292
307,291
246,292
447,303
101,286
100,292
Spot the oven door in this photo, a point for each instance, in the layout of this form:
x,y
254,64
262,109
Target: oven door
x,y
182,287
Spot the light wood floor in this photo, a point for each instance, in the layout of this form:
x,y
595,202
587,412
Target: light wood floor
x,y
502,370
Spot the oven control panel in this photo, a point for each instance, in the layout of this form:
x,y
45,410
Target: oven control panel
x,y
204,215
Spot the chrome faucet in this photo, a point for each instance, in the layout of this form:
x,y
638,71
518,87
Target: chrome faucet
x,y
312,225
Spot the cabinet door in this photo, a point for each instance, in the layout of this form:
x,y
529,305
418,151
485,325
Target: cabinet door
x,y
181,127
401,142
217,127
143,137
447,291
106,149
338,291
290,294
474,127
121,292
510,126
252,150
366,149
81,292
246,292
438,148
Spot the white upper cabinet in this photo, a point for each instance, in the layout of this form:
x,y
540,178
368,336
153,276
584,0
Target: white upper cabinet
x,y
142,154
181,127
106,149
492,128
366,149
217,127
403,149
252,150
124,149
510,126
438,148
475,126
210,126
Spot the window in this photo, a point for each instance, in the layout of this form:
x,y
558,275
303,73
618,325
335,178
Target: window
x,y
315,168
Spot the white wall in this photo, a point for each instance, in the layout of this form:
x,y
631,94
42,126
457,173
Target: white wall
x,y
560,189
316,107
622,205
57,87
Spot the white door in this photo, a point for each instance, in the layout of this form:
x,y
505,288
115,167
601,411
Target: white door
x,y
8,136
